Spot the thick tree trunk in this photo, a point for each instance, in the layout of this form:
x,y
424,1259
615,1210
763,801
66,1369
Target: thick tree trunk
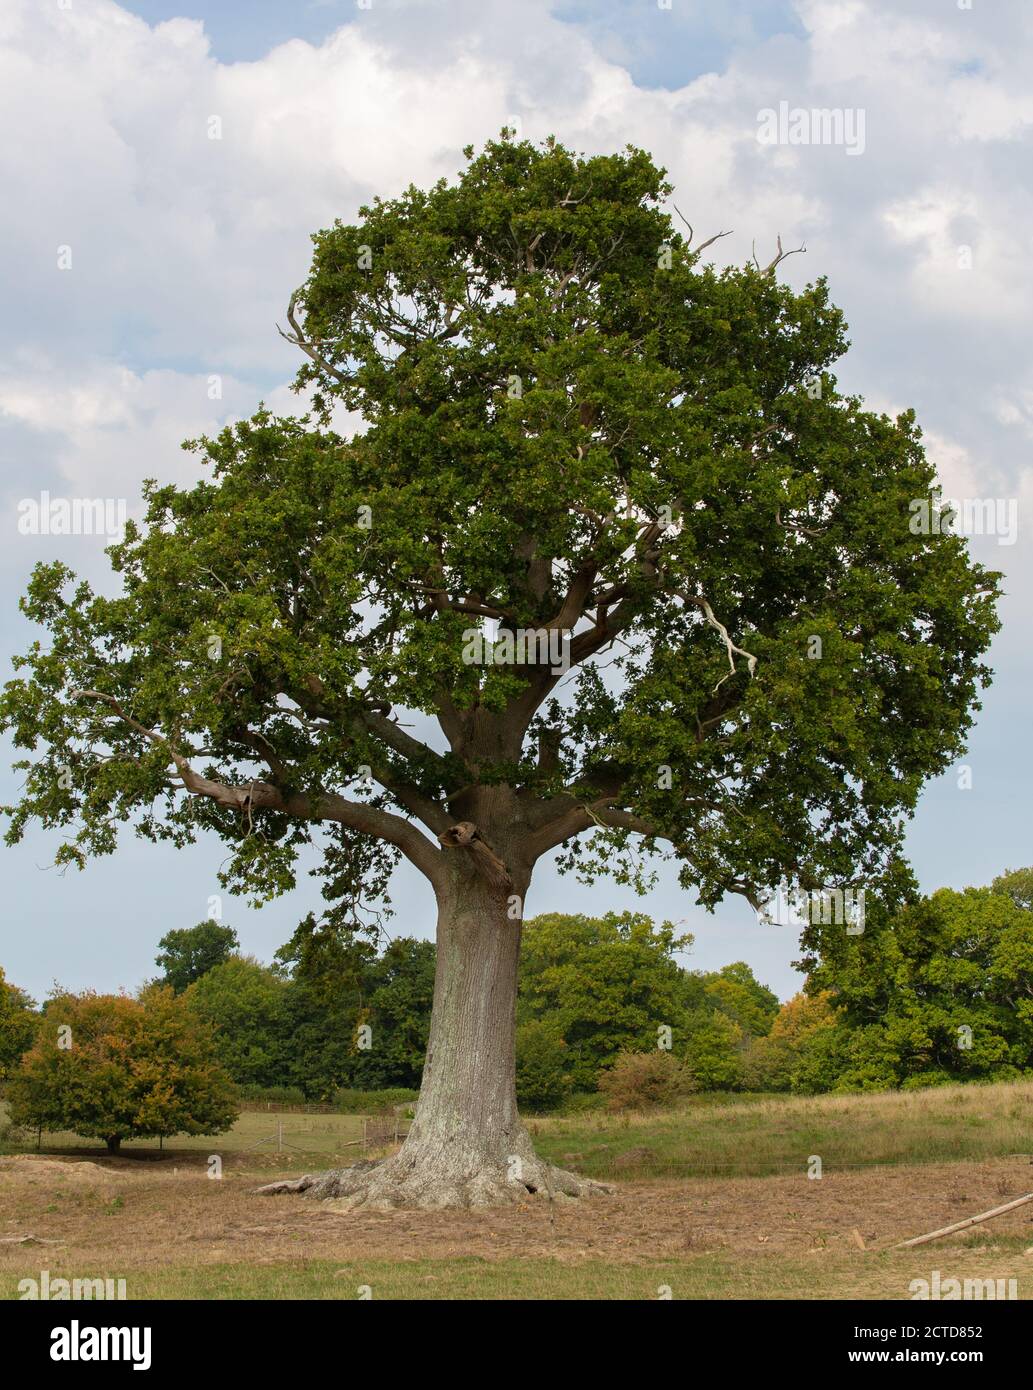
x,y
114,1143
467,1146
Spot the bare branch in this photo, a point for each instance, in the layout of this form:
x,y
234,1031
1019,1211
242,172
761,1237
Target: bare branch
x,y
298,339
794,526
710,240
730,646
779,257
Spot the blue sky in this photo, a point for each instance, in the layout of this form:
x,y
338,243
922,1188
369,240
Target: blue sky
x,y
184,250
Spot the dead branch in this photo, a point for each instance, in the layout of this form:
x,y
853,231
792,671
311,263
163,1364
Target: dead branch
x,y
703,245
299,340
779,257
961,1225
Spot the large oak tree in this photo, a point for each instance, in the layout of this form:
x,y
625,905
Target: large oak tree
x,y
571,426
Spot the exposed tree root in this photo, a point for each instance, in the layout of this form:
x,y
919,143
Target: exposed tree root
x,y
403,1182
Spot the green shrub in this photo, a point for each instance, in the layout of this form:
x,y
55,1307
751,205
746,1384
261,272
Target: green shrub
x,y
352,1102
272,1095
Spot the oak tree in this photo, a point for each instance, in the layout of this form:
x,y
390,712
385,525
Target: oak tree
x,y
611,567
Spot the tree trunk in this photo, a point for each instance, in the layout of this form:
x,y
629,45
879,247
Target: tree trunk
x,y
114,1143
467,1146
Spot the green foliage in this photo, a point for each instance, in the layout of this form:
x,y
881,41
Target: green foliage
x,y
272,1095
738,994
542,1080
605,984
297,1024
18,1021
1016,884
645,1080
569,421
110,1067
350,1101
246,1006
398,990
187,953
338,984
711,1049
797,1054
941,987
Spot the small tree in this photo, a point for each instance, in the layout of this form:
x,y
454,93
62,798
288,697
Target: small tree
x,y
187,953
110,1067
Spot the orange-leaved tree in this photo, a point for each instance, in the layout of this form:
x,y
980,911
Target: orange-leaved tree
x,y
111,1067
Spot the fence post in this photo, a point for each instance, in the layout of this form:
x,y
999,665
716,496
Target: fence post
x,y
279,1136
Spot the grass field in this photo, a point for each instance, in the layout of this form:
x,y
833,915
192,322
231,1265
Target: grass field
x,y
763,1135
327,1137
710,1202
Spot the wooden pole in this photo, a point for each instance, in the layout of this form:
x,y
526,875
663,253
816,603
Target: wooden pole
x,y
969,1221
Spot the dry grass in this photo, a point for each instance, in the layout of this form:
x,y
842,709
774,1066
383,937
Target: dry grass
x,y
173,1232
308,1137
757,1136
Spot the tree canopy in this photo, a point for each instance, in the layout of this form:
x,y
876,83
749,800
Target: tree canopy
x,y
110,1067
18,1020
187,953
572,425
940,988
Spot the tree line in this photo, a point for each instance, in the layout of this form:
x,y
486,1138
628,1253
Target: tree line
x,y
938,988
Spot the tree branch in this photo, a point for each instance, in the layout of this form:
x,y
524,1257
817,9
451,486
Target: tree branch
x,y
255,795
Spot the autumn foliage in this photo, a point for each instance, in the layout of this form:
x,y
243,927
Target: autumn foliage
x,y
111,1067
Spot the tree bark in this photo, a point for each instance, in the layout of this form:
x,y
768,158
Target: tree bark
x,y
467,1146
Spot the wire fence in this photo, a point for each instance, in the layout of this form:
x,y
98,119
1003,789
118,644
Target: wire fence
x,y
377,1132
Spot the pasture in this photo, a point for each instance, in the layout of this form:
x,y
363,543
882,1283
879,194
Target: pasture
x,y
710,1201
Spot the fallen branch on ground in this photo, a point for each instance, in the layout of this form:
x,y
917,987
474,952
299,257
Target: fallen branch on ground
x,y
969,1221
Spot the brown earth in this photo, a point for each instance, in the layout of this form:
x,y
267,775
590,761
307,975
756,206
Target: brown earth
x,y
171,1214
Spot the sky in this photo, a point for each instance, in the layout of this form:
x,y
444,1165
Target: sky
x,y
165,164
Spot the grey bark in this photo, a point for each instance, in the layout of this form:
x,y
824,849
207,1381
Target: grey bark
x,y
467,1146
